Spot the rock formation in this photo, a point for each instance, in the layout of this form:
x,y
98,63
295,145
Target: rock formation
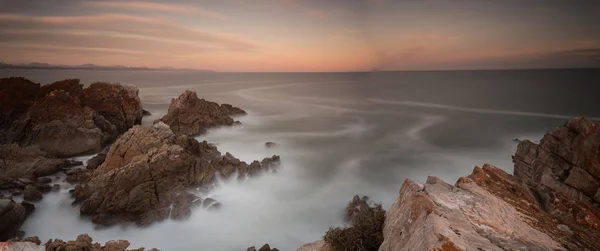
x,y
12,215
191,116
27,166
82,243
549,204
148,174
64,119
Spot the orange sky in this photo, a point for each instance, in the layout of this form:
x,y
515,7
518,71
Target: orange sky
x,y
303,35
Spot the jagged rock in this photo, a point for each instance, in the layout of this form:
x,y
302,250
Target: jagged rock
x,y
147,173
191,116
31,193
564,170
488,210
64,119
12,216
119,104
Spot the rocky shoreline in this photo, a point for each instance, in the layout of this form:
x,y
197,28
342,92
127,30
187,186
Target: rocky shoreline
x,y
140,174
550,203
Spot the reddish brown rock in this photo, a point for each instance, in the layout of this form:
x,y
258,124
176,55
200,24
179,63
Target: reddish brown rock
x,y
119,104
191,116
147,174
64,119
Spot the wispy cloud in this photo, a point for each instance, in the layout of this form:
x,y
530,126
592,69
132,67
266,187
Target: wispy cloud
x,y
156,7
122,25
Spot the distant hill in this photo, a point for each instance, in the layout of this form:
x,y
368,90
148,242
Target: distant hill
x,y
46,66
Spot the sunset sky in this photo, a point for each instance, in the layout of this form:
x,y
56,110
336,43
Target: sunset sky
x,y
303,35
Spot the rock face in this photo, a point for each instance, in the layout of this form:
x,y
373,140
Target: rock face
x,y
191,116
64,119
148,173
12,216
27,166
549,204
82,243
566,161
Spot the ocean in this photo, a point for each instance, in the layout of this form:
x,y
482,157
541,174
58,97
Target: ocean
x,y
338,134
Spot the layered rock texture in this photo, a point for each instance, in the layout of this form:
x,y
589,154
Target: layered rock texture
x,y
82,243
547,205
149,173
550,203
63,118
192,116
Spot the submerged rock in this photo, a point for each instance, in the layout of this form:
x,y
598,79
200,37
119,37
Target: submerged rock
x,y
148,172
31,193
192,116
270,144
64,119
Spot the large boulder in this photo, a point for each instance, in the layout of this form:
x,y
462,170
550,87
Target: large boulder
x,y
12,216
147,174
191,116
64,119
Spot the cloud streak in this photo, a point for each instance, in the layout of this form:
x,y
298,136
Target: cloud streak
x,y
118,25
156,7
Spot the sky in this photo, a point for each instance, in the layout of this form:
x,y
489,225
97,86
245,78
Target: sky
x,y
303,35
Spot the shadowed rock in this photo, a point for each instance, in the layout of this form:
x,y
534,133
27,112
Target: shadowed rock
x,y
192,116
12,216
64,119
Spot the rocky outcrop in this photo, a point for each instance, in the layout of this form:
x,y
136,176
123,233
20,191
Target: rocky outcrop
x,y
64,119
12,215
566,161
82,243
547,205
148,174
119,104
27,166
191,116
